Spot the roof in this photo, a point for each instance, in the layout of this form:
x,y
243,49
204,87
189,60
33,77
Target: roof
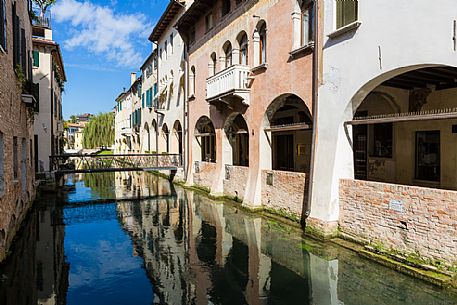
x,y
170,13
194,13
47,42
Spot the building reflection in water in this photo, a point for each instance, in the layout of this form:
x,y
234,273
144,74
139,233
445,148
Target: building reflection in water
x,y
197,251
35,271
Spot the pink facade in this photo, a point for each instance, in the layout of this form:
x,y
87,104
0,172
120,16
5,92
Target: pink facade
x,y
273,75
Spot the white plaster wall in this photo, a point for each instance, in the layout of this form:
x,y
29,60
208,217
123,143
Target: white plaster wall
x,y
174,61
45,126
394,37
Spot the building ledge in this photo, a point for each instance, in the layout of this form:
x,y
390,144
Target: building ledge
x,y
308,48
345,29
259,68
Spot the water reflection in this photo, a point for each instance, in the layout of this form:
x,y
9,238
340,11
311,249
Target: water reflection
x,y
164,245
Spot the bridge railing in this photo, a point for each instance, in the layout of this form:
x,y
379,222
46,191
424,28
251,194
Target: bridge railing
x,y
114,162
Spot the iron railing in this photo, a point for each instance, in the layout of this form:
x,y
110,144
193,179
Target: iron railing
x,y
76,163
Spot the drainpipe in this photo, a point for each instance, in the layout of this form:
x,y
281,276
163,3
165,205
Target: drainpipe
x,y
315,98
157,105
185,130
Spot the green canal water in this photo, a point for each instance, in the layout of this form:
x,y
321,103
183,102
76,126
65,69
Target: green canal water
x,y
133,238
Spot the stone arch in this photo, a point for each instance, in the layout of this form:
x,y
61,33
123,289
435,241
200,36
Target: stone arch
x,y
236,140
212,65
287,140
242,41
260,43
177,138
204,142
166,137
146,138
227,50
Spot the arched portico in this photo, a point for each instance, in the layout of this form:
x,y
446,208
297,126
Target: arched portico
x,y
374,133
177,138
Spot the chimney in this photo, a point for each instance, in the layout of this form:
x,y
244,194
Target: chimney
x,y
132,78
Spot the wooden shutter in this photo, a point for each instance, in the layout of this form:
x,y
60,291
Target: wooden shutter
x,y
36,58
3,24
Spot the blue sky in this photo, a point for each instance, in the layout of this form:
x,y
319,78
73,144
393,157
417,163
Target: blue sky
x,y
102,41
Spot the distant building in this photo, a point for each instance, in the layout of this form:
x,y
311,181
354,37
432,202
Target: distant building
x,y
73,135
49,73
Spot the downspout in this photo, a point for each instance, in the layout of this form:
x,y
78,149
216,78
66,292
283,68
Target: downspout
x,y
52,111
157,105
315,98
185,132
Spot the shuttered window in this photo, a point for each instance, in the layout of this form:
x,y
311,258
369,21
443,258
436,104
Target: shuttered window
x,y
36,58
346,12
142,99
3,34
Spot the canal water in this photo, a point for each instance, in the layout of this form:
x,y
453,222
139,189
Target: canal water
x,y
133,238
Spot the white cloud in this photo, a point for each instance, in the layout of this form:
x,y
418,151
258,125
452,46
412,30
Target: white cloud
x,y
102,31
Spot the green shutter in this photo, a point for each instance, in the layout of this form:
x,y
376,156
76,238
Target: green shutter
x,y
142,100
36,58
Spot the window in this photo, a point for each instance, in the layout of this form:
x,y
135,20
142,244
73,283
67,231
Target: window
x,y
307,23
381,145
346,12
212,67
243,41
36,58
160,53
15,156
428,156
3,32
166,49
225,7
192,81
228,54
263,44
171,43
209,21
142,100
24,165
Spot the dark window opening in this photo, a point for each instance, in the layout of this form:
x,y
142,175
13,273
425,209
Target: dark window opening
x,y
381,144
428,166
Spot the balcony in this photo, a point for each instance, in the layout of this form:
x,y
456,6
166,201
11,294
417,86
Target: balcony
x,y
40,20
229,85
31,94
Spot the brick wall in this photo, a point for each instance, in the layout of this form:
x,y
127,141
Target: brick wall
x,y
284,191
235,180
204,173
406,218
15,121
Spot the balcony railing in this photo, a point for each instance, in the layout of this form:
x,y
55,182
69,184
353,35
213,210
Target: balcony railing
x,y
42,21
231,80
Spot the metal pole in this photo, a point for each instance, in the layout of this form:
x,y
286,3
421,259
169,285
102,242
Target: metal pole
x,y
315,98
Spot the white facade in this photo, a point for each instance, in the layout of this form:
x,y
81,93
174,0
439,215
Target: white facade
x,y
389,38
49,74
170,97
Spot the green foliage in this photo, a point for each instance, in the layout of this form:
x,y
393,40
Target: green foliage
x,y
73,119
101,184
100,131
20,76
44,5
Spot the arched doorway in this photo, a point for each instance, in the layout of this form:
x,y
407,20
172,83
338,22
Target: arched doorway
x,y
289,123
177,141
155,135
236,131
205,137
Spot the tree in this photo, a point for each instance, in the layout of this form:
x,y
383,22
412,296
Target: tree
x,y
73,119
99,132
44,5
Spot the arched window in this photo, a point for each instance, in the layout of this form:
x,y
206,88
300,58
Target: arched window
x,y
243,44
192,81
260,43
212,64
263,44
306,22
228,54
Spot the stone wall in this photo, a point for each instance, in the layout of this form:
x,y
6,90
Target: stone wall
x,y
406,218
284,191
204,173
235,180
16,193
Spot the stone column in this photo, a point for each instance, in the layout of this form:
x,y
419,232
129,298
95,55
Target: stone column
x,y
296,30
